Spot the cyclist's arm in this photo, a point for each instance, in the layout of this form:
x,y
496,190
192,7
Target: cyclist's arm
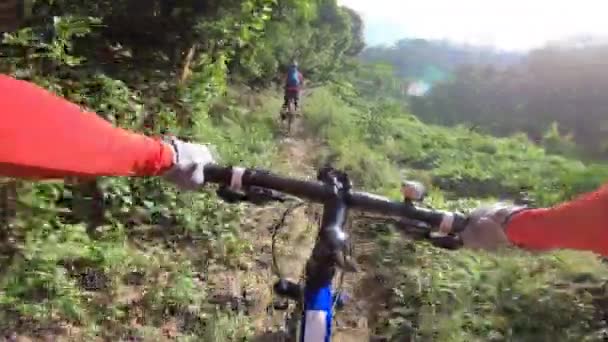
x,y
579,224
45,136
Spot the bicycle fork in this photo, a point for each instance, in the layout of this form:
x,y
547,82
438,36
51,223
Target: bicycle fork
x,y
317,297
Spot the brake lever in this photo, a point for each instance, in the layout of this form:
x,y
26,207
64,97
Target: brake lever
x,y
259,196
451,242
345,262
230,196
460,223
419,230
253,194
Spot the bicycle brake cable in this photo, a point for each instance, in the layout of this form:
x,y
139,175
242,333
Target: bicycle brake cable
x,y
275,231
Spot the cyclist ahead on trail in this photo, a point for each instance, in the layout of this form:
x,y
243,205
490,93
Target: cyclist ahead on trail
x,y
294,80
43,136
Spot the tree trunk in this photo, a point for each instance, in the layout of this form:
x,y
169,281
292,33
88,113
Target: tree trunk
x,y
187,64
11,15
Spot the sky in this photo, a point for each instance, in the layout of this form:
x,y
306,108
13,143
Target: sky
x,y
516,25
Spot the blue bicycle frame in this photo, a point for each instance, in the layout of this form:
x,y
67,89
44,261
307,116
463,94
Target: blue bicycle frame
x,y
317,298
327,254
334,192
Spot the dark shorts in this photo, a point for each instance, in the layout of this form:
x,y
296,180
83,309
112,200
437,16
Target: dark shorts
x,y
292,94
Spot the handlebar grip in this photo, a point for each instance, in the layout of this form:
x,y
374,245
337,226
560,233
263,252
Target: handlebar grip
x,y
460,223
218,174
318,192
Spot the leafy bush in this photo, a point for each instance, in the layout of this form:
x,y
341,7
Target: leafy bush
x,y
465,296
101,255
127,258
432,294
379,141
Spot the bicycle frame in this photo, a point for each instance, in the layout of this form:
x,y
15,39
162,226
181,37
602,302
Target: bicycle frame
x,y
333,191
290,112
317,315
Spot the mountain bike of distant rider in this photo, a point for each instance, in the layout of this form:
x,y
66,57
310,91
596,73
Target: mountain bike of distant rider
x,y
289,113
293,84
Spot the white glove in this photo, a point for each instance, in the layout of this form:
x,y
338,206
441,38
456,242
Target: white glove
x,y
189,161
486,227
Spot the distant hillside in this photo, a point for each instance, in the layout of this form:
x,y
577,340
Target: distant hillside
x,y
557,91
433,61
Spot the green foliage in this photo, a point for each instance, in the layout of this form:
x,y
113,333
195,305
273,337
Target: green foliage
x,y
226,327
463,296
556,143
559,84
380,140
468,296
344,131
237,30
378,80
35,48
434,61
123,258
319,34
77,244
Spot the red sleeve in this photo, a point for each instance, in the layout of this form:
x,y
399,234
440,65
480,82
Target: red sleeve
x,y
581,224
45,136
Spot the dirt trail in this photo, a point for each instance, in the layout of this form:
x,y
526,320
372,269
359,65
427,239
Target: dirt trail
x,y
298,155
248,286
253,280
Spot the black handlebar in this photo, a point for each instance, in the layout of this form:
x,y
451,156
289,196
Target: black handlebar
x,y
320,192
333,190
